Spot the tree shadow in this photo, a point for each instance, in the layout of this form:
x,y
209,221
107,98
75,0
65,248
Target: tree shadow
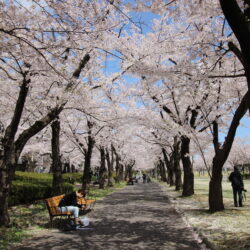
x,y
137,217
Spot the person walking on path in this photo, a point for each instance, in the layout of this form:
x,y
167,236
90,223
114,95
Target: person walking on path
x,y
237,185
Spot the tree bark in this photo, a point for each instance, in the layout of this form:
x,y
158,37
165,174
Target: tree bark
x,y
7,170
177,168
162,170
215,186
118,167
170,167
56,160
188,178
120,172
110,163
87,163
102,168
171,173
128,171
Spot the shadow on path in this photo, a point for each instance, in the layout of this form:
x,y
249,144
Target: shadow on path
x,y
136,217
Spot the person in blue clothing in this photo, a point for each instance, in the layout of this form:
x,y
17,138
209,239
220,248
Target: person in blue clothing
x,y
237,185
69,203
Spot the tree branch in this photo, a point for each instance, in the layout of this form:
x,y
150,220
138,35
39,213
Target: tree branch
x,y
37,127
239,113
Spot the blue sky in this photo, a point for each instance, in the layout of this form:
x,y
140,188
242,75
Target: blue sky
x,y
243,130
146,18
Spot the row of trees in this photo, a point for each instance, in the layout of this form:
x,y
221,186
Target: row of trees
x,y
158,86
51,61
194,73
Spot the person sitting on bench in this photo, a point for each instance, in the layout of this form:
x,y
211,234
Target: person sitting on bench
x,y
69,204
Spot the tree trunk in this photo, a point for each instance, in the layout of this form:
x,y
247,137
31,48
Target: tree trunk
x,y
102,169
162,170
118,167
215,186
7,170
153,173
56,160
171,173
110,163
188,180
87,163
120,172
128,171
170,167
177,168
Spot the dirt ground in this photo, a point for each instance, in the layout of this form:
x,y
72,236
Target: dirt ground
x,y
139,216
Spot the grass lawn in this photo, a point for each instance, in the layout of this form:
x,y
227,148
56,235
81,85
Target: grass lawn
x,y
228,229
28,220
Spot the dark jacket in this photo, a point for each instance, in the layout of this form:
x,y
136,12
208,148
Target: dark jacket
x,y
69,200
236,179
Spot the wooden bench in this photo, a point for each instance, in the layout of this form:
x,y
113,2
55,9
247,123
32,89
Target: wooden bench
x,y
53,202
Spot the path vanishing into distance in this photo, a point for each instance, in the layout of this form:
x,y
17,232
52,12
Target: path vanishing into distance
x,y
139,216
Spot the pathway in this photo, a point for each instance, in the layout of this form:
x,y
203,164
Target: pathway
x,y
136,217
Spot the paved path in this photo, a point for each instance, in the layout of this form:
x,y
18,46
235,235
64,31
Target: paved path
x,y
136,217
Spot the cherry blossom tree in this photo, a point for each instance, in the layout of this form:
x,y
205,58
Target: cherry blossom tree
x,y
45,47
202,58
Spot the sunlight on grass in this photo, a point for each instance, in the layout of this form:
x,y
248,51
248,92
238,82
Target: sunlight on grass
x,y
101,193
10,235
228,229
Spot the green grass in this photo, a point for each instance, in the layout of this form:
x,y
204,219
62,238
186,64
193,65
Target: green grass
x,y
27,219
44,177
101,193
33,177
10,235
23,219
228,229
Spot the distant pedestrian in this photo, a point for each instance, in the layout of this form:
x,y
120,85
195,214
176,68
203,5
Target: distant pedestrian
x,y
144,178
237,185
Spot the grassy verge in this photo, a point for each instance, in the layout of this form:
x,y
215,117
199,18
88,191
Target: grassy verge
x,y
28,220
228,229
